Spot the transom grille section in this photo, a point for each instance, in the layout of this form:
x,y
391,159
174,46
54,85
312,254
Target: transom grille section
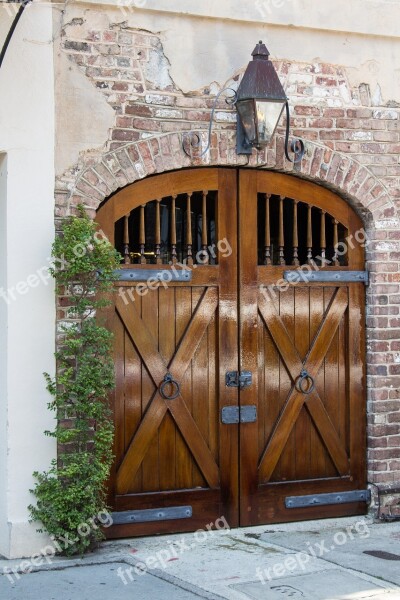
x,y
296,233
175,229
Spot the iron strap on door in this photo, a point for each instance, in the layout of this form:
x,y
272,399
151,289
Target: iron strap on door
x,y
327,499
300,275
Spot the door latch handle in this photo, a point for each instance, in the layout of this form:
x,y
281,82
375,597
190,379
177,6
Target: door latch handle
x,y
242,379
169,381
301,381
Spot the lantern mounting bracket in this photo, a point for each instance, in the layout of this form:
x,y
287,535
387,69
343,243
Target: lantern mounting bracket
x,y
192,139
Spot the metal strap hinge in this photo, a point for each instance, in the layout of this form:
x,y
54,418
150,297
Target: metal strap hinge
x,y
331,276
153,514
325,499
153,275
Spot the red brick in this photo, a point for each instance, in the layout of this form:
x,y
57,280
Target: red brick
x,y
147,125
321,123
307,110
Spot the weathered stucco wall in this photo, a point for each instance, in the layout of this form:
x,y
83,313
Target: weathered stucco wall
x,y
204,44
27,303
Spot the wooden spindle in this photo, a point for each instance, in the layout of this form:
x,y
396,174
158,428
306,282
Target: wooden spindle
x,y
323,238
309,235
295,235
204,235
267,253
142,236
158,233
335,259
173,231
127,250
189,240
281,241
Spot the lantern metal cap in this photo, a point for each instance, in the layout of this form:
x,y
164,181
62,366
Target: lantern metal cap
x,y
260,52
260,80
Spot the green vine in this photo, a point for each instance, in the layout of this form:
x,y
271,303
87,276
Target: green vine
x,y
71,495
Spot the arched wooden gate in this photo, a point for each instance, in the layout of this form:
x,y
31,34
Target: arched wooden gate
x,y
239,393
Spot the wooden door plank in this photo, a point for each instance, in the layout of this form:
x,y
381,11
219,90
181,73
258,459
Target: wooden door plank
x,y
142,338
356,383
133,408
166,346
195,441
329,393
317,311
327,331
206,307
142,440
199,389
286,466
183,457
302,430
147,308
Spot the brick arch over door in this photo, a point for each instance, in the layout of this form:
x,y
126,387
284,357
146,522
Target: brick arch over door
x,y
129,163
338,171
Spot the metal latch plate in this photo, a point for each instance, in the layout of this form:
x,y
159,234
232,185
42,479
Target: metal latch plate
x,y
231,415
153,514
325,499
299,275
242,379
153,275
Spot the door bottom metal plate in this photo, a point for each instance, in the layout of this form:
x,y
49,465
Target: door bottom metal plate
x,y
153,514
325,499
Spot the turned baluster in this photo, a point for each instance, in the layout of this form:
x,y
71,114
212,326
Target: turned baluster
x,y
158,233
189,241
127,251
323,238
267,253
309,235
142,236
335,259
295,235
173,231
204,236
281,241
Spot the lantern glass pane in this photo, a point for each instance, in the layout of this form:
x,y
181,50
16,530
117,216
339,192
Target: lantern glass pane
x,y
247,115
268,115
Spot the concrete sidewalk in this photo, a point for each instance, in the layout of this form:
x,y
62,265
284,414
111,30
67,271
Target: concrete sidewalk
x,y
343,559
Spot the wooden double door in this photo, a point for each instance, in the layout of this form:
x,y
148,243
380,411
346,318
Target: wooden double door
x,y
237,390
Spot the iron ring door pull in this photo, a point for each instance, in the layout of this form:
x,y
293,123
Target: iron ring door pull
x,y
305,377
169,380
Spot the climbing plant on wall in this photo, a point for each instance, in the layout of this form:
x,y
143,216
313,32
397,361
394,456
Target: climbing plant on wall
x,y
71,495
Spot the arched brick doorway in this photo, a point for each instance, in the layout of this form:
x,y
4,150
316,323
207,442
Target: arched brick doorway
x,y
243,452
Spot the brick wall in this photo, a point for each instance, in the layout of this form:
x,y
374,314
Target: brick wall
x,y
352,147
